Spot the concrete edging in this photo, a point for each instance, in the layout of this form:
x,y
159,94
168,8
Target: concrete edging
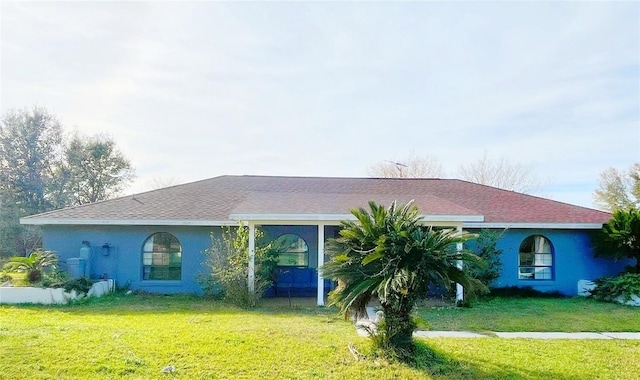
x,y
48,296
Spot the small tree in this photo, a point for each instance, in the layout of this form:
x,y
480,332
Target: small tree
x,y
227,267
618,189
94,169
620,237
486,247
33,265
390,256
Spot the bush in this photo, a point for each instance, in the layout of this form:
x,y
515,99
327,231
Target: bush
x,y
81,285
227,267
620,237
488,269
54,279
33,265
612,288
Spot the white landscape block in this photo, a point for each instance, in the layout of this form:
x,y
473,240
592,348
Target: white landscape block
x,y
585,287
44,296
48,296
634,301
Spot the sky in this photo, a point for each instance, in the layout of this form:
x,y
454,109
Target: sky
x,y
194,90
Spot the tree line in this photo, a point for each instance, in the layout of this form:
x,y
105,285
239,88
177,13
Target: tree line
x,y
43,168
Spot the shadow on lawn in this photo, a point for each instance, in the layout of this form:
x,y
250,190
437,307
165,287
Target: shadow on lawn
x,y
440,365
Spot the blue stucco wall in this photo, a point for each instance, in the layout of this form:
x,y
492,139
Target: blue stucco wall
x,y
124,260
573,260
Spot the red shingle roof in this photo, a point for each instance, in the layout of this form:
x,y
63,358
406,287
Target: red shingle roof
x,y
217,199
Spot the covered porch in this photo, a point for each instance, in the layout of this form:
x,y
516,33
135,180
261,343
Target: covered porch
x,y
299,273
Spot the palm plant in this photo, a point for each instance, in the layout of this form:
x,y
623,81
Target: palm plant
x,y
33,264
389,255
620,237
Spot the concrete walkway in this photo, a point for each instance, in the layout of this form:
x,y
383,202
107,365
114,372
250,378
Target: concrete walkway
x,y
363,327
528,335
368,323
511,335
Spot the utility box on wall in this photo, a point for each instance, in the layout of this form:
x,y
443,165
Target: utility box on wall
x,y
76,267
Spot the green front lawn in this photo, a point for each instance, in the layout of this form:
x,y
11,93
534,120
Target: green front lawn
x,y
534,314
136,336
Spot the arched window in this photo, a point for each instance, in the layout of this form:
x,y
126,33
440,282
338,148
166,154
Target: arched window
x,y
535,259
161,257
292,251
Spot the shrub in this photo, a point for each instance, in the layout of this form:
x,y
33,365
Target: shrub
x,y
81,285
488,269
613,288
54,279
620,237
33,265
60,279
227,267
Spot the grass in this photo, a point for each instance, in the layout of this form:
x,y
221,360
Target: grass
x,y
535,314
134,337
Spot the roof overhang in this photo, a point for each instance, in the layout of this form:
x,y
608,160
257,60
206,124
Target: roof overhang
x,y
339,217
235,218
125,222
467,221
558,226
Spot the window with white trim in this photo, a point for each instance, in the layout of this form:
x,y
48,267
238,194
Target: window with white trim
x,y
162,257
535,259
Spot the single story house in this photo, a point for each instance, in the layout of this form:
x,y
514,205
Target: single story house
x,y
154,241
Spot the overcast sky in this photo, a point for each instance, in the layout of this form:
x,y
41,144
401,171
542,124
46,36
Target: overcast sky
x,y
196,90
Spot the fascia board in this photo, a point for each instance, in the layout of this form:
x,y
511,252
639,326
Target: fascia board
x,y
556,226
339,217
126,222
291,217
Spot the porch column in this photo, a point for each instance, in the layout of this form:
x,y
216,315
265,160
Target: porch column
x,y
252,258
320,264
459,288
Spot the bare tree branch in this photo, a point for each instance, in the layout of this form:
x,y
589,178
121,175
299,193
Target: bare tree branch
x,y
501,173
412,166
156,183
